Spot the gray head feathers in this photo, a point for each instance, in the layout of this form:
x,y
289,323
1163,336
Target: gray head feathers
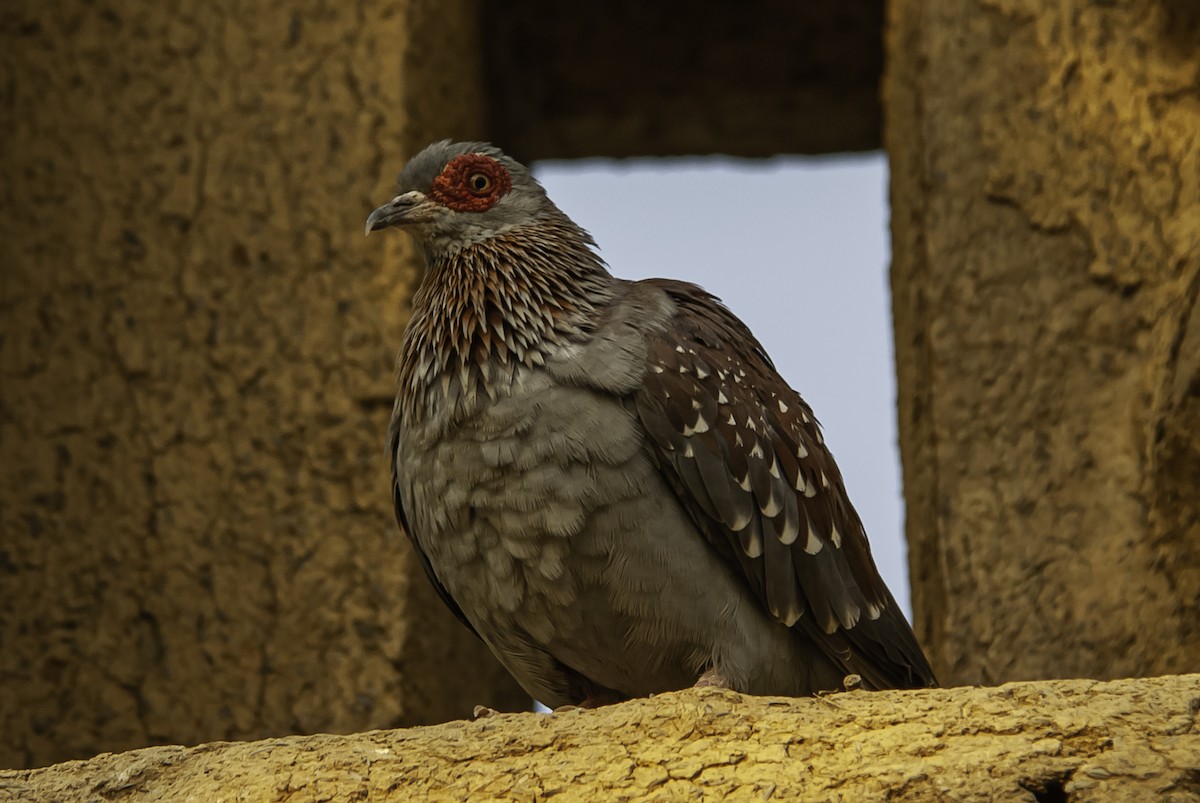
x,y
453,195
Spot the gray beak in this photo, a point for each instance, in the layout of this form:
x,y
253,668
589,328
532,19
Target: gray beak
x,y
411,207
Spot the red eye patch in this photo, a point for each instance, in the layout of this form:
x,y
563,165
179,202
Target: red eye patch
x,y
471,183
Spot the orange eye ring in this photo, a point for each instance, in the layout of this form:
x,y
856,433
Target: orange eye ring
x,y
480,184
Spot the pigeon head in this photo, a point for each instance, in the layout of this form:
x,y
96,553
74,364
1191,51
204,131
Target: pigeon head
x,y
453,195
508,279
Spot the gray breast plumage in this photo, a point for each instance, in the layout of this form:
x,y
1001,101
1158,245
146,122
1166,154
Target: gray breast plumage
x,y
541,512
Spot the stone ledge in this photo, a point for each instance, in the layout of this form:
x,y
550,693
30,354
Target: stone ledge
x,y
1046,740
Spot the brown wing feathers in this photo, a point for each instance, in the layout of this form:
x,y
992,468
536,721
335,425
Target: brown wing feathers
x,y
748,461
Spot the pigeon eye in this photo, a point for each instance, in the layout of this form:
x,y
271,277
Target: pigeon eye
x,y
480,183
473,182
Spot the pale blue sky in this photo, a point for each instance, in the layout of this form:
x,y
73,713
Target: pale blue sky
x,y
796,247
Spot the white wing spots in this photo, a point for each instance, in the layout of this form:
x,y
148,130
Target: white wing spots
x,y
801,452
810,491
800,481
850,614
683,369
791,529
835,537
722,374
688,451
745,483
873,611
813,545
756,450
804,417
700,426
750,425
772,507
723,399
824,480
820,437
774,469
737,439
783,408
752,543
732,421
679,349
701,372
789,616
739,524
658,369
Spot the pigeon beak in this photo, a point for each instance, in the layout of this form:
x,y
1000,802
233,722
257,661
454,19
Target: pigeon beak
x,y
411,207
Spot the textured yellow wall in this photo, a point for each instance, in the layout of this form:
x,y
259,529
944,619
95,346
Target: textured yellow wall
x,y
1046,235
197,346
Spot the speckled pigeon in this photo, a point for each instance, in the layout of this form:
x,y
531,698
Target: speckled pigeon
x,y
607,480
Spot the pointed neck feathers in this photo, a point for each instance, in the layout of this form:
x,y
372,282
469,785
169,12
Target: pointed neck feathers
x,y
484,311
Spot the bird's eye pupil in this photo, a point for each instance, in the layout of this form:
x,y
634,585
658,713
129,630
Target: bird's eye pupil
x,y
480,182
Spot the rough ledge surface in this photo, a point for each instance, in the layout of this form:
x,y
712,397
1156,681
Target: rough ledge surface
x,y
1071,740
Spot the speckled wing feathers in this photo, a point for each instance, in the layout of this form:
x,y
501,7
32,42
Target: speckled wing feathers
x,y
746,457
